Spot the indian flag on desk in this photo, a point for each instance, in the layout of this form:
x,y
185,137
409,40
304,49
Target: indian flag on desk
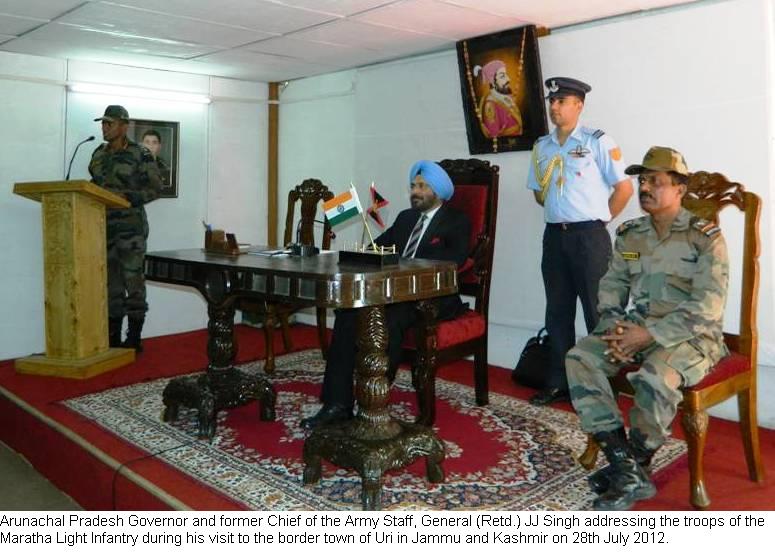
x,y
343,207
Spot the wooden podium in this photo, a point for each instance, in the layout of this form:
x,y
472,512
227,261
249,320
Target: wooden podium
x,y
75,278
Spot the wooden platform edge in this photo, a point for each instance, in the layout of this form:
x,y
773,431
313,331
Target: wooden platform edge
x,y
41,365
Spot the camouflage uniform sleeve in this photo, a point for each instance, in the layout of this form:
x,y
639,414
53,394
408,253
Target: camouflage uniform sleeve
x,y
150,181
614,290
704,309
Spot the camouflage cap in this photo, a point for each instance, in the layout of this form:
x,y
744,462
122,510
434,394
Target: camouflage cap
x,y
113,112
660,158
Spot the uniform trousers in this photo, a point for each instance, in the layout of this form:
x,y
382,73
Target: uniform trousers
x,y
657,384
575,257
126,245
340,365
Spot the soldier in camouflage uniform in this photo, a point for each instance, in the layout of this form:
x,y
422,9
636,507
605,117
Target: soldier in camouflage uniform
x,y
129,170
661,304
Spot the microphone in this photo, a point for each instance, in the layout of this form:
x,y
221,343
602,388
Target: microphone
x,y
298,231
298,249
70,166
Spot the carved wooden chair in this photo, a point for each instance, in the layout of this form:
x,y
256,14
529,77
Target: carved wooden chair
x,y
734,375
432,343
308,194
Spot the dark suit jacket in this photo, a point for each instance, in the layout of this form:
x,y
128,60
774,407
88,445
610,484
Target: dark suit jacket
x,y
446,239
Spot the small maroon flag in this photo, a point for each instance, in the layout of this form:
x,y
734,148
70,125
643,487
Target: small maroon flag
x,y
377,202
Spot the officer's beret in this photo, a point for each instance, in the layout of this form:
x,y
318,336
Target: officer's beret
x,y
565,86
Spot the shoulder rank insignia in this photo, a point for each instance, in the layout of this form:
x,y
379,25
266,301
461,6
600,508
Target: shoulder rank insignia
x,y
623,227
598,133
707,227
630,255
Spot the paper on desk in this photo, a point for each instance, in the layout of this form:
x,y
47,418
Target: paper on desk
x,y
268,252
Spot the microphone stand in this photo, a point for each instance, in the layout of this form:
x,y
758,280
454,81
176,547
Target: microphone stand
x,y
70,166
300,250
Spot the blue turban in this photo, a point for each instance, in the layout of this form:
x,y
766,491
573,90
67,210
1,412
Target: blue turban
x,y
436,177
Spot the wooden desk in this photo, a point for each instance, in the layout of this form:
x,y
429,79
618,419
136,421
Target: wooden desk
x,y
373,441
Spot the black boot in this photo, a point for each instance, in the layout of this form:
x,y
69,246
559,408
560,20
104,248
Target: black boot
x,y
600,480
133,334
628,481
114,331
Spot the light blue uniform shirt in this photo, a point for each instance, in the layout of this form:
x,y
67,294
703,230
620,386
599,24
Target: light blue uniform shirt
x,y
589,170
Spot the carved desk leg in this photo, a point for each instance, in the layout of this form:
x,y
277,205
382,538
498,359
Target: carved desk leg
x,y
373,442
222,386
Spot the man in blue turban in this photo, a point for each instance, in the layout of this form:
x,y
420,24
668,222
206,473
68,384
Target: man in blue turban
x,y
431,229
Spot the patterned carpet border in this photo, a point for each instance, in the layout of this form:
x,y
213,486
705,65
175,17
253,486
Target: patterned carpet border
x,y
509,455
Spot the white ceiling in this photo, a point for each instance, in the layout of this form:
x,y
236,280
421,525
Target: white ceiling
x,y
274,40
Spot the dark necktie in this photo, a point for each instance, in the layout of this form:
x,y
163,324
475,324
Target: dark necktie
x,y
414,237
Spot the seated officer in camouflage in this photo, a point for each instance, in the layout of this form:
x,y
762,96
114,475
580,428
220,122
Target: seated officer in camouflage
x,y
129,170
661,304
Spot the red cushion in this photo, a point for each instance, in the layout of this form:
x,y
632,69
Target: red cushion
x,y
466,274
727,367
472,200
468,325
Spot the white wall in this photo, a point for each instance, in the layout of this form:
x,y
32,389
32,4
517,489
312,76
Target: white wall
x,y
666,79
31,148
316,136
222,175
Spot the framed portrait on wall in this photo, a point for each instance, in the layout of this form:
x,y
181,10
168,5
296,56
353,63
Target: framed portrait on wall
x,y
502,89
162,139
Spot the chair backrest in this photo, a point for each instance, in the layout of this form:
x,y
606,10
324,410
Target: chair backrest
x,y
707,195
309,193
476,194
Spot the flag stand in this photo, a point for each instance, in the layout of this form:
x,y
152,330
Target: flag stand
x,y
374,255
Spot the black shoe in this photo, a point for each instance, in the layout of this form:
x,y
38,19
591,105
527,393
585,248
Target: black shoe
x,y
329,414
549,396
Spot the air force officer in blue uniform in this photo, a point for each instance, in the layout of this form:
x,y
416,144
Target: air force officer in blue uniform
x,y
577,175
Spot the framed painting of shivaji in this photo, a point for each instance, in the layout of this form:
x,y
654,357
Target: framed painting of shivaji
x,y
161,139
502,89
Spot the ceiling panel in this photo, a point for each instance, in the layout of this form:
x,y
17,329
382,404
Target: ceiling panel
x,y
331,54
253,14
71,50
438,18
139,23
375,37
81,38
337,7
13,25
262,67
273,39
554,13
42,9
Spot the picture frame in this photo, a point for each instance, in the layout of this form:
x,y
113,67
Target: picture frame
x,y
502,90
162,140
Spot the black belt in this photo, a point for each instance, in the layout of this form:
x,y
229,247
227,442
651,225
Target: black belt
x,y
583,225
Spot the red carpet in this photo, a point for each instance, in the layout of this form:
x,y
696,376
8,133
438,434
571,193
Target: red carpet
x,y
86,469
508,456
